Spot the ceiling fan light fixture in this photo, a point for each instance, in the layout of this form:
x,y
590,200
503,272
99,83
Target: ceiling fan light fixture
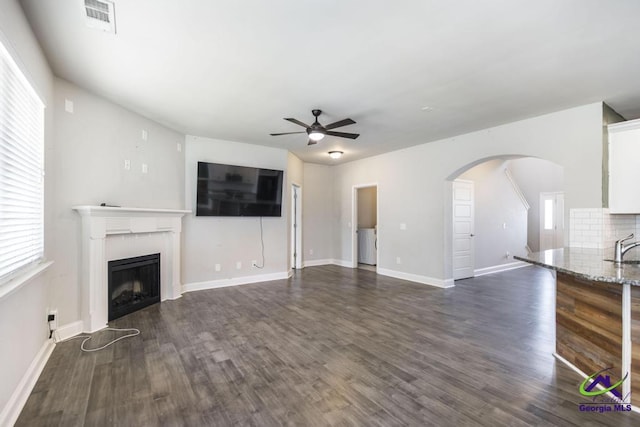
x,y
335,154
316,136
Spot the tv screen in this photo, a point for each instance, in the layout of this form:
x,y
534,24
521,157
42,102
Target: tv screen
x,y
228,190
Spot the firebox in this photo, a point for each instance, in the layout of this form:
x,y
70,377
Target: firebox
x,y
134,283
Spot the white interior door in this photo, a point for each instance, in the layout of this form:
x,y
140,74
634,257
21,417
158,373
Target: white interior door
x,y
551,220
463,228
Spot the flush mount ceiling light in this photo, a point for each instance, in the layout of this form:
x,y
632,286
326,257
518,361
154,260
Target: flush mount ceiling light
x,y
335,154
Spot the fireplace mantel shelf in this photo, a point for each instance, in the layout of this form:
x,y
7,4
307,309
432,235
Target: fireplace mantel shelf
x,y
90,210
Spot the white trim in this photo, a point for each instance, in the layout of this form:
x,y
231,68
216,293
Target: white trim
x,y
425,280
19,281
316,262
16,402
110,211
499,268
626,337
624,126
343,263
235,281
69,330
583,375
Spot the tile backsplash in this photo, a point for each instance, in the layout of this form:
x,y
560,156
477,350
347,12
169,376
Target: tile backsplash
x,y
597,228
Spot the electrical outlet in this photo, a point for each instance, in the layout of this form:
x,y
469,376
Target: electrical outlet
x,y
507,254
403,226
127,164
310,251
238,265
52,318
179,147
218,267
254,263
145,168
145,135
68,106
398,260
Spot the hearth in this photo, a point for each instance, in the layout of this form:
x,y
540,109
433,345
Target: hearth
x,y
134,283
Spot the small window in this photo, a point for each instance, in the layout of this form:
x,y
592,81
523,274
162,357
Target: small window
x,y
548,214
21,170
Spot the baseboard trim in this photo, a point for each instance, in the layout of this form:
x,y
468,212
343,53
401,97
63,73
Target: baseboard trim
x,y
236,281
425,280
342,263
69,330
583,375
16,402
317,262
499,268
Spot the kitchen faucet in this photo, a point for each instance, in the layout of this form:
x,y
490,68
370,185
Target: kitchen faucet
x,y
622,249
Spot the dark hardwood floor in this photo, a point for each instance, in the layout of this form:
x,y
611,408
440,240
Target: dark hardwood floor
x,y
332,346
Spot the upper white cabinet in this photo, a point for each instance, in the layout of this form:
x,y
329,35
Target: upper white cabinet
x,y
624,167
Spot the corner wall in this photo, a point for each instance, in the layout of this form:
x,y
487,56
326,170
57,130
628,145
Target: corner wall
x,y
317,214
23,325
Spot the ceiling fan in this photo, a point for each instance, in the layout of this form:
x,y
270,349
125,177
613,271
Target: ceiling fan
x,y
316,131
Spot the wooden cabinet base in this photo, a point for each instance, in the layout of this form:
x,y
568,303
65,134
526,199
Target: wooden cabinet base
x,y
589,324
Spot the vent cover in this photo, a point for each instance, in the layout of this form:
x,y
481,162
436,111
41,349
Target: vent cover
x,y
101,15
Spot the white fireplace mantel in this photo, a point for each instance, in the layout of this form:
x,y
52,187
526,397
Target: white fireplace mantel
x,y
99,222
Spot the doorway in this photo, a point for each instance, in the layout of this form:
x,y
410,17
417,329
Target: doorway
x,y
365,242
463,229
296,228
551,220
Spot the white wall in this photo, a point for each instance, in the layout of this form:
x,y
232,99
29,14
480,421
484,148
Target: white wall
x,y
317,213
225,240
500,216
23,326
413,186
367,210
535,176
92,144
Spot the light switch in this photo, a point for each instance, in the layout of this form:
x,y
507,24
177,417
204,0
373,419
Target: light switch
x,y
145,168
145,135
403,226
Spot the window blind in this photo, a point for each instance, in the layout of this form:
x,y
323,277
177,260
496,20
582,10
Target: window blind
x,y
21,170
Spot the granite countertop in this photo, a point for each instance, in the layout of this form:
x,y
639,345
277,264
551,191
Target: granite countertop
x,y
589,264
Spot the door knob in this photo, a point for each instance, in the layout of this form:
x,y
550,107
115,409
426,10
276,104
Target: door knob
x,y
471,234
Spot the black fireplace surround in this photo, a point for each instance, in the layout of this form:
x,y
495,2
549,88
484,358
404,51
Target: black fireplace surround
x,y
134,283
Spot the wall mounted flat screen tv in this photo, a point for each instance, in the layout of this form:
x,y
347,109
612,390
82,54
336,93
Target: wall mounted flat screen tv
x,y
228,190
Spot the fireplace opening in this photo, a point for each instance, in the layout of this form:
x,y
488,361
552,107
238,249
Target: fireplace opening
x,y
134,283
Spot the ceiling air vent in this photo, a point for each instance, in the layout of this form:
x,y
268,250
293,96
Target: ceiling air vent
x,y
100,15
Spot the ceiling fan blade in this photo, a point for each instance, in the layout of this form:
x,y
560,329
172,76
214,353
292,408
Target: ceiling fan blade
x,y
285,133
341,123
312,142
343,134
296,121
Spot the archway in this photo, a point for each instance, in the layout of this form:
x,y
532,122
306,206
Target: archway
x,y
507,214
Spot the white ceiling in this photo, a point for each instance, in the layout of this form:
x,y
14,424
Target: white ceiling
x,y
233,69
